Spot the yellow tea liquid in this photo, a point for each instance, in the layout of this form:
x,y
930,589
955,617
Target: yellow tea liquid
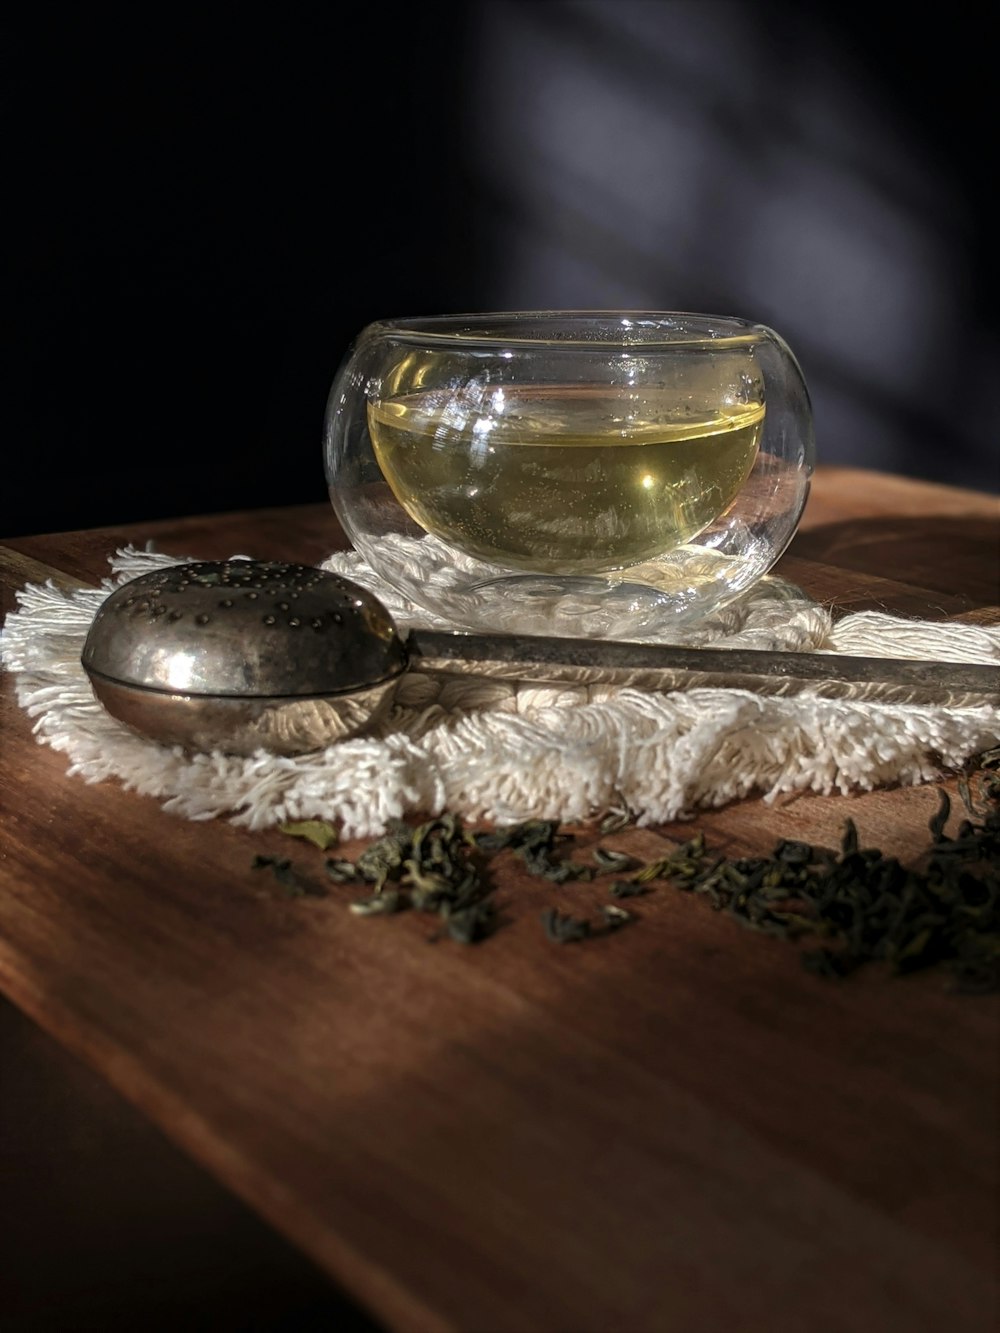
x,y
562,479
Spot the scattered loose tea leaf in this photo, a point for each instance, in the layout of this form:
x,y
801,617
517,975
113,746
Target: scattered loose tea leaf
x,y
617,819
278,865
379,904
292,885
469,924
564,929
379,860
316,831
938,822
613,863
616,917
435,867
943,909
537,842
627,888
864,906
342,872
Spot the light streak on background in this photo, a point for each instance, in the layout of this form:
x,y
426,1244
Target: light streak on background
x,y
717,156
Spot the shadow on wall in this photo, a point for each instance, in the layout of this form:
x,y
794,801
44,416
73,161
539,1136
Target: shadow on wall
x,y
748,160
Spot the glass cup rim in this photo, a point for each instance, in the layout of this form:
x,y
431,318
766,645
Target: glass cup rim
x,y
626,329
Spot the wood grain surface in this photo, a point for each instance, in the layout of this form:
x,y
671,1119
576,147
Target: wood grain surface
x,y
674,1128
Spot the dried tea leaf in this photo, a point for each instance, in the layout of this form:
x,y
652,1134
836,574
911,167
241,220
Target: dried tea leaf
x,y
627,888
941,818
262,862
613,863
469,925
342,872
434,867
849,843
536,843
292,885
383,859
564,929
379,904
616,917
317,831
614,821
867,907
684,863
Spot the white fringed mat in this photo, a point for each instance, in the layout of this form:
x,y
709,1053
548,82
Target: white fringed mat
x,y
505,753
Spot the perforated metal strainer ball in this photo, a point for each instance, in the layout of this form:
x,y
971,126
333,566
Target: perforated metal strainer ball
x,y
241,655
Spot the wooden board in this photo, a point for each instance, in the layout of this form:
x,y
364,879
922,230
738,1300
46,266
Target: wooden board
x,y
673,1128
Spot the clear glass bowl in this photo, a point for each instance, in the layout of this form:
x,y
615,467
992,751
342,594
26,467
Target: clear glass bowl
x,y
580,473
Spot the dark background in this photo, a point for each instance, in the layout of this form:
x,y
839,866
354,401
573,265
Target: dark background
x,y
204,206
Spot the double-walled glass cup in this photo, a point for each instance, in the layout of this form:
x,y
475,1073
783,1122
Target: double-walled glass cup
x,y
581,473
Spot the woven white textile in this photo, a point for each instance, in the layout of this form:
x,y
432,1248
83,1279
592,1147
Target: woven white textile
x,y
507,752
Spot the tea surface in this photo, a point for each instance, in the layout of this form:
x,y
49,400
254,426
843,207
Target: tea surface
x,y
565,480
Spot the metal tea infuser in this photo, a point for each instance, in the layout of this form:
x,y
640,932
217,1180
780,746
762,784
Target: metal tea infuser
x,y
243,655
